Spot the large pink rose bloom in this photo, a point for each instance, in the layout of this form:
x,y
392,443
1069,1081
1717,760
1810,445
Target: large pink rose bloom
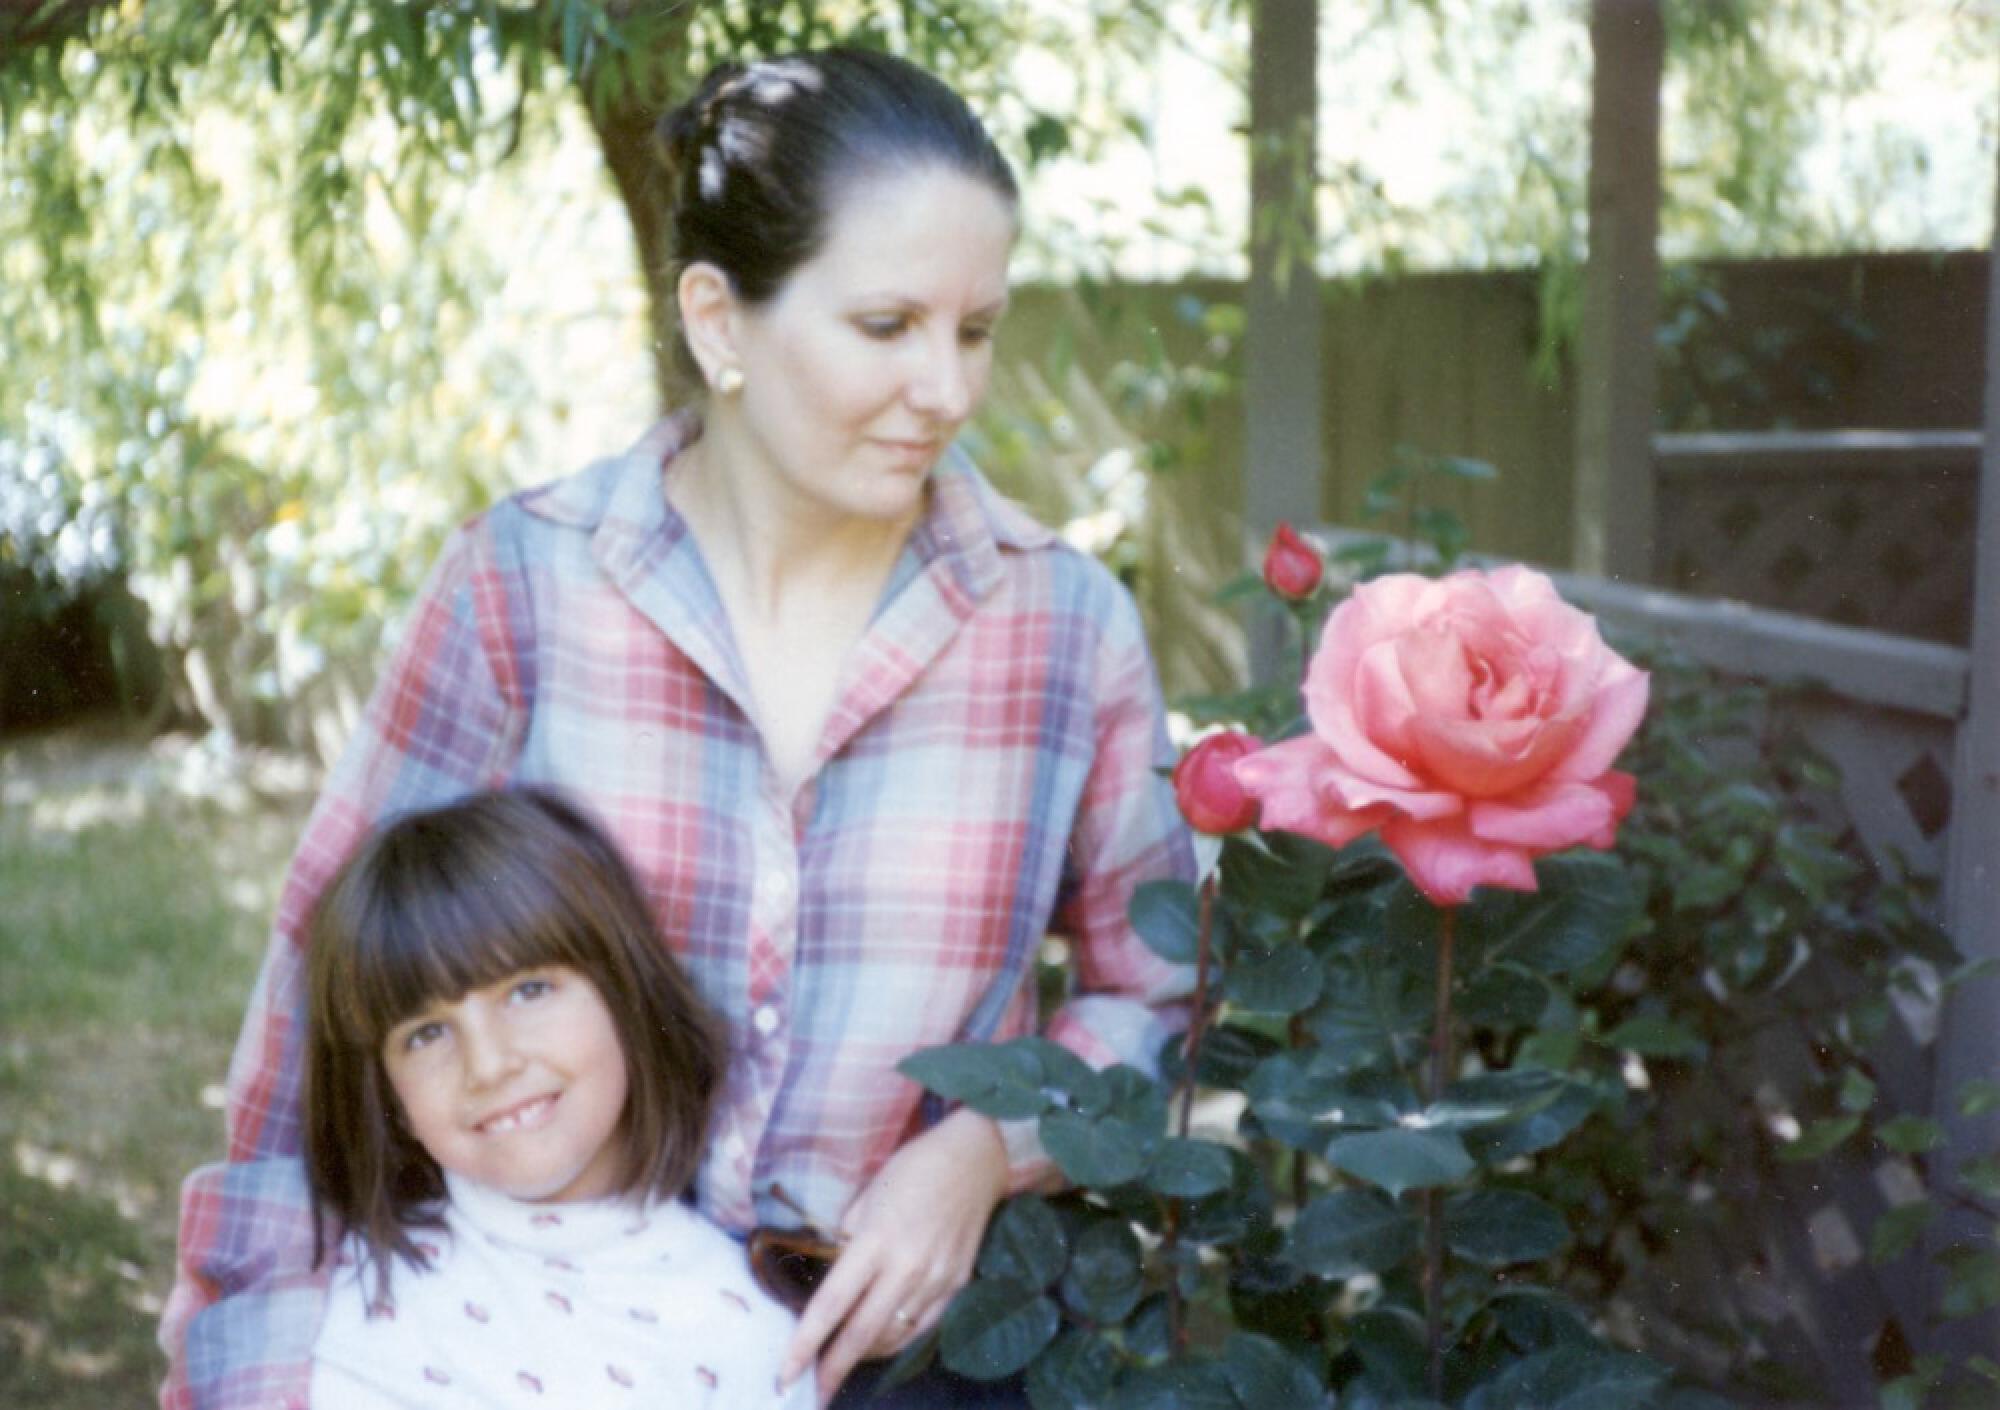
x,y
1473,719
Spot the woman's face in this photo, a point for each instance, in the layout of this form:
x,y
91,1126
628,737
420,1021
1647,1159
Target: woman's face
x,y
863,366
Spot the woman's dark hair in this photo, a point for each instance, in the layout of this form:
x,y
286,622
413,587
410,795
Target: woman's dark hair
x,y
437,903
761,154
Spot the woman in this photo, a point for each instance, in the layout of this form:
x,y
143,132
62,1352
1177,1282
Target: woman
x,y
866,731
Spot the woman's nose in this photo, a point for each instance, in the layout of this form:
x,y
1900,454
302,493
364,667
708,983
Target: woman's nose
x,y
942,387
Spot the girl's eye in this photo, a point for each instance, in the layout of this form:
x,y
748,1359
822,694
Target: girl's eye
x,y
975,335
529,990
422,1036
884,328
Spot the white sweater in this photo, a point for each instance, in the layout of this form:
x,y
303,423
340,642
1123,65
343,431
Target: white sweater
x,y
560,1307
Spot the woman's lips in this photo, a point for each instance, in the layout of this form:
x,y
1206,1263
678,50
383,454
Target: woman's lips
x,y
522,1116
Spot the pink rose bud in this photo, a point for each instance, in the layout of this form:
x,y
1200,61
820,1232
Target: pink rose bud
x,y
1205,784
1292,567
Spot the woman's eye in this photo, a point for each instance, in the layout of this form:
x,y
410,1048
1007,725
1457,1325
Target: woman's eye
x,y
531,989
883,329
975,335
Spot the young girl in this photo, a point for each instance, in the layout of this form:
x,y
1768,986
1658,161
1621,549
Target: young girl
x,y
508,1080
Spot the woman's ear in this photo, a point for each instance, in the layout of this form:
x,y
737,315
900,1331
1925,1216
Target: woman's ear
x,y
709,319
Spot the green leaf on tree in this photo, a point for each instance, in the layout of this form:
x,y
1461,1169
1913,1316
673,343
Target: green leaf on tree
x,y
1978,1097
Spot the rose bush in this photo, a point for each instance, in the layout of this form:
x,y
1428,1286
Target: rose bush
x,y
1473,720
1359,1220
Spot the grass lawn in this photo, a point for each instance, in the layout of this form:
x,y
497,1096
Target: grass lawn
x,y
135,888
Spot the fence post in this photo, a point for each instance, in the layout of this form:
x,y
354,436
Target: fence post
x,y
1969,1042
1281,355
1612,532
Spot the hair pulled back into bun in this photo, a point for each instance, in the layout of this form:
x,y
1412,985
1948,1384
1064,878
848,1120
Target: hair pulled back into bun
x,y
764,152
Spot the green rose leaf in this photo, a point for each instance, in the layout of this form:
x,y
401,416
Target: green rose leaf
x,y
1279,873
1067,1079
1498,1227
1656,1036
1971,1280
1535,1319
1540,1129
1584,907
1504,996
1074,1373
1572,1378
1167,916
1262,1373
1912,1135
1390,1343
1116,1145
1105,1275
1491,1098
1978,1097
1095,1151
1188,1169
1350,1232
1025,1242
1400,1160
1366,1007
1177,1385
1281,981
1000,1080
995,1326
1820,1137
1897,1231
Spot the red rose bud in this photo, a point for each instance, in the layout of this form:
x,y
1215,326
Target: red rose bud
x,y
1292,567
1205,784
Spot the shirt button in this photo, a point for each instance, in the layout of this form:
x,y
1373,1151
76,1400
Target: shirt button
x,y
765,1020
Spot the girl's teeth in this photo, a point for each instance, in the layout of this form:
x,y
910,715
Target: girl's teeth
x,y
514,1119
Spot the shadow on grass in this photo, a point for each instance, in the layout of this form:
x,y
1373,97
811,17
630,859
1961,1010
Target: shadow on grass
x,y
78,1268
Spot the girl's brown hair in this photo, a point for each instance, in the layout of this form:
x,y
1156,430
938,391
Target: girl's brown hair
x,y
438,903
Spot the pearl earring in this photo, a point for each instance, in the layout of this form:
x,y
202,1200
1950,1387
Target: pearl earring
x,y
729,381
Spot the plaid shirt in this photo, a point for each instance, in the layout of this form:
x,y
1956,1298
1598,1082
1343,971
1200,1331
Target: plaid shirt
x,y
988,774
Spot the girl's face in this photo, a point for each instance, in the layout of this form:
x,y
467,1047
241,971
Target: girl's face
x,y
519,1086
863,366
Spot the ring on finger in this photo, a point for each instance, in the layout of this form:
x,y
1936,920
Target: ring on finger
x,y
903,1316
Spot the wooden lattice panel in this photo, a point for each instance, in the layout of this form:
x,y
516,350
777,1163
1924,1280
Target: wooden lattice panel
x,y
1866,529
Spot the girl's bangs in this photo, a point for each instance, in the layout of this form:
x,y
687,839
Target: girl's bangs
x,y
435,943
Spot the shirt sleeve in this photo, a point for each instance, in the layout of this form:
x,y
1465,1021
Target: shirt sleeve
x,y
246,1302
1127,999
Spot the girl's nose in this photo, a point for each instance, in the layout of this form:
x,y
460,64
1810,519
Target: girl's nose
x,y
489,1056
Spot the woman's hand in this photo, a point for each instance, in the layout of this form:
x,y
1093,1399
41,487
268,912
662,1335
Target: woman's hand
x,y
912,1235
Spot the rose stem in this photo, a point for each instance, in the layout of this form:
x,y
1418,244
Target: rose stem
x,y
1433,1209
1176,1327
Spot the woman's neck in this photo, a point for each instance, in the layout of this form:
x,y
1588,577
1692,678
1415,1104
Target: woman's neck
x,y
775,552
